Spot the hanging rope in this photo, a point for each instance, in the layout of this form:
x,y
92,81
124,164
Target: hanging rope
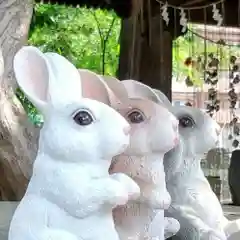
x,y
219,42
133,55
192,8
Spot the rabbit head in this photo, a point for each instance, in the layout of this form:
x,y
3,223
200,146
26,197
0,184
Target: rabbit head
x,y
75,127
199,132
148,135
194,124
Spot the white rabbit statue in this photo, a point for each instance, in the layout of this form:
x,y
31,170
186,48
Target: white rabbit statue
x,y
70,195
138,89
143,162
194,203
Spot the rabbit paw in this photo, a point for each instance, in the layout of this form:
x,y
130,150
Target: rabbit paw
x,y
128,184
171,227
159,199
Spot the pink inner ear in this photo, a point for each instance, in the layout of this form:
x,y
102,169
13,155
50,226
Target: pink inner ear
x,y
93,88
32,73
41,72
117,87
114,101
136,89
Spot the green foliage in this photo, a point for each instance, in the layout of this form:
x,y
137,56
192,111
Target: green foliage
x,y
33,115
79,34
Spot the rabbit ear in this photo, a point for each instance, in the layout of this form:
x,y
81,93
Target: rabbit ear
x,y
136,89
163,97
117,87
94,87
65,82
32,75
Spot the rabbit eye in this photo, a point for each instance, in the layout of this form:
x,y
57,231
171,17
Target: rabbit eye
x,y
135,117
186,122
83,118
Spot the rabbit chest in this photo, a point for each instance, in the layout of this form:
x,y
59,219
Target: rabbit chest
x,y
134,219
68,198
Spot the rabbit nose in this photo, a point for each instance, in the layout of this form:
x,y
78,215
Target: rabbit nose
x,y
126,130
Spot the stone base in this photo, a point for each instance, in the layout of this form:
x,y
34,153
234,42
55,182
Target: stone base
x,y
7,210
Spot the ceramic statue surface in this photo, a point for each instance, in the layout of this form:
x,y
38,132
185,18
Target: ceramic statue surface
x,y
70,195
140,90
194,203
150,138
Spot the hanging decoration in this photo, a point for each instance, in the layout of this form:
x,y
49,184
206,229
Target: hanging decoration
x,y
234,79
183,12
211,70
209,63
183,16
165,13
211,78
217,16
183,20
191,8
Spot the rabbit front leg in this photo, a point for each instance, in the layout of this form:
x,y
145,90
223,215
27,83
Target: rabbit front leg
x,y
128,185
75,195
171,227
163,226
156,226
156,198
75,192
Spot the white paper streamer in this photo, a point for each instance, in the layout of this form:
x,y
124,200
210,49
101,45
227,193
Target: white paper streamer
x,y
183,20
165,13
217,16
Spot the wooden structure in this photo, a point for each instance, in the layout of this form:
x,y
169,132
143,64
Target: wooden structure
x,y
146,41
123,8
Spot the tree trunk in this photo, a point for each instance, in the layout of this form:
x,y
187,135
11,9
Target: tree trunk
x,y
17,136
146,56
